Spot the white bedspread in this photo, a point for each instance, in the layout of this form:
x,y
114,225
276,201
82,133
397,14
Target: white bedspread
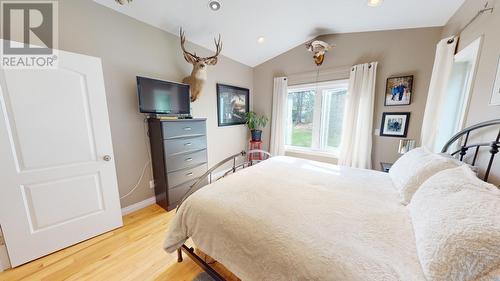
x,y
293,219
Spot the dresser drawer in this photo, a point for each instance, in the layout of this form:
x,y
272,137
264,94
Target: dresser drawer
x,y
178,129
183,176
175,194
184,161
185,145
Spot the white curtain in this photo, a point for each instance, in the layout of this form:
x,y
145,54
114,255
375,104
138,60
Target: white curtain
x,y
356,144
443,64
278,121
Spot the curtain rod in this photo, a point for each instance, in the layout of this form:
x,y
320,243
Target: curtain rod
x,y
479,13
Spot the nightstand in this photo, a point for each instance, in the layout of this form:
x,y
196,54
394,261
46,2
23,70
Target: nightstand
x,y
385,167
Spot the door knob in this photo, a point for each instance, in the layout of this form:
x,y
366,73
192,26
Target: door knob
x,y
107,158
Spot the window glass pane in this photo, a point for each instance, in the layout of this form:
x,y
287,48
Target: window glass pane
x,y
315,115
453,109
333,106
300,115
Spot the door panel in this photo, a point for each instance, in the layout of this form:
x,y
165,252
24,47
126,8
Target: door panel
x,y
77,196
59,133
56,188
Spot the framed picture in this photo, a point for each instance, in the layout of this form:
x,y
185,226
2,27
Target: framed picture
x,y
495,96
395,124
398,90
233,103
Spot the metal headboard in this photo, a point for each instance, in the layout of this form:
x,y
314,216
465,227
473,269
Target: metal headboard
x,y
465,147
236,165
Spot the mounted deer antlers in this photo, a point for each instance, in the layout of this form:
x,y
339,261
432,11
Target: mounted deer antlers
x,y
199,73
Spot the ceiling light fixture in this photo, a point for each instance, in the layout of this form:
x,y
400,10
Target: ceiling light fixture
x,y
214,5
374,3
261,40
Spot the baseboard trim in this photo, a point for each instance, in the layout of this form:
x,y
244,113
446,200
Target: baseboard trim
x,y
152,200
4,258
138,206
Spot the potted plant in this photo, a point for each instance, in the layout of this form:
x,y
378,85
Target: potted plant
x,y
255,123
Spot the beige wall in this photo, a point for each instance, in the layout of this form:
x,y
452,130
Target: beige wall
x,y
399,52
129,48
487,26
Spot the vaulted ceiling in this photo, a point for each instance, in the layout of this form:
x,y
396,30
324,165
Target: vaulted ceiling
x,y
283,23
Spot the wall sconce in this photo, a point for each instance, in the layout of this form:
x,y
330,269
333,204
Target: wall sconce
x,y
406,145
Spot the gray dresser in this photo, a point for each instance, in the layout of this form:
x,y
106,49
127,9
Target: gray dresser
x,y
179,157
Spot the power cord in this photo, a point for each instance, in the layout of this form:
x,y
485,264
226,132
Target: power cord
x,y
146,131
138,182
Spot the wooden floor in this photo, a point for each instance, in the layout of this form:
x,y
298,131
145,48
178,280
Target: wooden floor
x,y
132,252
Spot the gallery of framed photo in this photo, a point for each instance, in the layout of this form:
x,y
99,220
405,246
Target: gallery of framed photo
x,y
395,124
233,103
398,90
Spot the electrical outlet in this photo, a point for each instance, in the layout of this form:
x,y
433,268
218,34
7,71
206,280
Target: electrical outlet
x,y
151,184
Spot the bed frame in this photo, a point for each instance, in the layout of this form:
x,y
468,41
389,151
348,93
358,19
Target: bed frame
x,y
459,140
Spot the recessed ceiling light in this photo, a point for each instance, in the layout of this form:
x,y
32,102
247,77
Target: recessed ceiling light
x,y
214,5
375,3
261,40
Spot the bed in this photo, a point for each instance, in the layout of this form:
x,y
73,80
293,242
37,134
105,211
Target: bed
x,y
293,219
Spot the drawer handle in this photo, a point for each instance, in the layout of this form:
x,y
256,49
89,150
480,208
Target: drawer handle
x,y
189,174
187,129
188,144
189,159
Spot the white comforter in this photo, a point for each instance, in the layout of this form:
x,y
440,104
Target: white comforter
x,y
292,219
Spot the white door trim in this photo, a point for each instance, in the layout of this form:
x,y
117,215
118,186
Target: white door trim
x,y
4,258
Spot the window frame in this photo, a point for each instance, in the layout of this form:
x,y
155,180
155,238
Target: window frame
x,y
317,147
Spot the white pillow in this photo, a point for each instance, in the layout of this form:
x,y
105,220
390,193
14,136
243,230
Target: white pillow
x,y
475,169
414,168
456,220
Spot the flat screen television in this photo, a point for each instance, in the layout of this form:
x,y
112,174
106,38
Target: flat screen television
x,y
163,97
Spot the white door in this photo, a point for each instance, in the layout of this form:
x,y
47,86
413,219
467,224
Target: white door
x,y
57,174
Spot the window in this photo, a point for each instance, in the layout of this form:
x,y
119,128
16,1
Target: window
x,y
453,110
314,116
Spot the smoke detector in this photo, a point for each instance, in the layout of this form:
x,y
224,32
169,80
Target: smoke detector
x,y
214,5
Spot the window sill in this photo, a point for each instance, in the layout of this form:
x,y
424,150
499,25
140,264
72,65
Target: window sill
x,y
332,154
